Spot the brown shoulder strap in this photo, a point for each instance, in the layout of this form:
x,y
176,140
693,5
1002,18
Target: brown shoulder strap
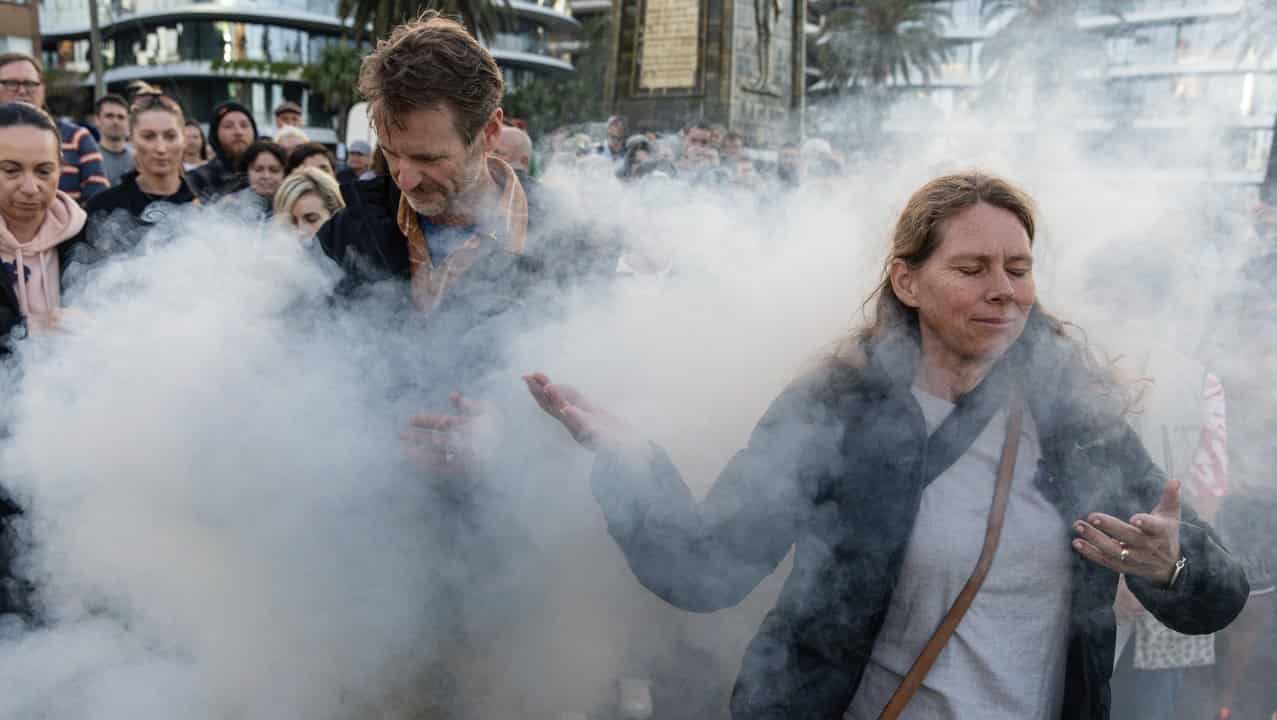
x,y
997,513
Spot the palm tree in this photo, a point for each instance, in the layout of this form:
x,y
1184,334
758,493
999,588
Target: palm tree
x,y
873,43
1042,41
335,78
482,18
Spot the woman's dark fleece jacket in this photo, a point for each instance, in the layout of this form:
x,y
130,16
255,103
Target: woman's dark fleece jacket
x,y
838,466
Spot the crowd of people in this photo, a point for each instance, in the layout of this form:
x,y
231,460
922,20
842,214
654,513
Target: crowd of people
x,y
881,467
701,153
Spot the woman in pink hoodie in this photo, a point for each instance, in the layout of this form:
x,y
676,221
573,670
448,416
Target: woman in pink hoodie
x,y
37,221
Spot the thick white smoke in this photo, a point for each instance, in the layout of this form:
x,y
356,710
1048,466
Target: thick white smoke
x,y
222,523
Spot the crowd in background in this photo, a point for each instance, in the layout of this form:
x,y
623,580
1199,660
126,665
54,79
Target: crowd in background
x,y
700,153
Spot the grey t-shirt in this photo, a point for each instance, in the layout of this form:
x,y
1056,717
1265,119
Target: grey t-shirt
x,y
116,164
1007,658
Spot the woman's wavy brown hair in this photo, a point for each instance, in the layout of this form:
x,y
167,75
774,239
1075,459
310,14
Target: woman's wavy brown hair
x,y
920,230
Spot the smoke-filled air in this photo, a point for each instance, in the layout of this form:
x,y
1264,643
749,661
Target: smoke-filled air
x,y
228,504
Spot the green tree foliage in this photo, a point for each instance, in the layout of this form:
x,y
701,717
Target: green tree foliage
x,y
550,102
279,70
335,78
871,43
482,18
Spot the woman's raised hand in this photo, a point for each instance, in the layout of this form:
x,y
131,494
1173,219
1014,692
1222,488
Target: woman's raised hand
x,y
1147,546
591,426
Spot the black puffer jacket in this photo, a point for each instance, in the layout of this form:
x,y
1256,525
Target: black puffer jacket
x,y
838,466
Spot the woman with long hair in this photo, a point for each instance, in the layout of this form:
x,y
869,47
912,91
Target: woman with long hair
x,y
157,129
119,217
961,425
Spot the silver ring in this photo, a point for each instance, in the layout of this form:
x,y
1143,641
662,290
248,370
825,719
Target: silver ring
x,y
1124,555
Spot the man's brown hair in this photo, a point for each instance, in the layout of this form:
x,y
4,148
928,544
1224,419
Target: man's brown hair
x,y
427,63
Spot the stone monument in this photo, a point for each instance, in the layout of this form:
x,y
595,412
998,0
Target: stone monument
x,y
740,63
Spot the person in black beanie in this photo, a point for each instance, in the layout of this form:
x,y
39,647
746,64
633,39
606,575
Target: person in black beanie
x,y
231,131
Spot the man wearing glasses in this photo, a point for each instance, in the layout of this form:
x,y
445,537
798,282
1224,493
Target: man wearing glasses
x,y
21,80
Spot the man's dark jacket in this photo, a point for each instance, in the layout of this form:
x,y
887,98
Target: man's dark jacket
x,y
365,239
838,466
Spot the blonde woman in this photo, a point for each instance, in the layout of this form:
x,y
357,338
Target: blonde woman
x,y
305,201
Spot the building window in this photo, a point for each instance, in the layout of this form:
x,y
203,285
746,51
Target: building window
x,y
13,43
1259,95
964,16
962,65
1205,41
1183,43
1258,149
197,40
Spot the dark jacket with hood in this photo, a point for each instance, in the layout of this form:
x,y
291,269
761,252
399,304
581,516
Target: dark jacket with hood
x,y
219,176
838,466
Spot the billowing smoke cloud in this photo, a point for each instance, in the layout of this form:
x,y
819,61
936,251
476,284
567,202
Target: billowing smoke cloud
x,y
222,523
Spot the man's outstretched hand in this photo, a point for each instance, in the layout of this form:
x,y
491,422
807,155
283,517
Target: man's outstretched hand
x,y
590,425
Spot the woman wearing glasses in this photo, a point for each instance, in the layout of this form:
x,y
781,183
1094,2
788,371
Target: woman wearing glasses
x,y
118,216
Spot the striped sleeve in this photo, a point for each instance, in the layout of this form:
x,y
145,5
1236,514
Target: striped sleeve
x,y
1209,474
93,178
